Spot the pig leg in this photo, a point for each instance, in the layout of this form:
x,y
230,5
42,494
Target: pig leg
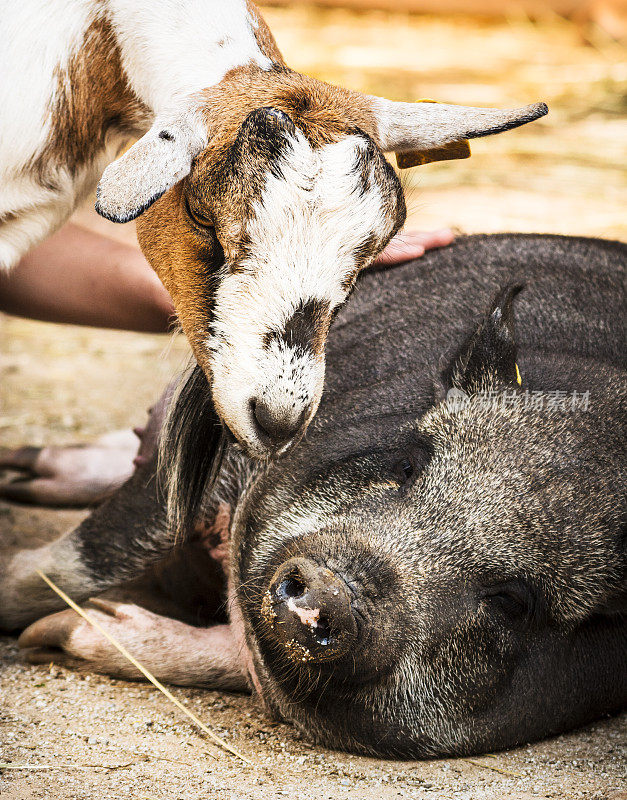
x,y
82,475
173,651
76,475
150,617
116,543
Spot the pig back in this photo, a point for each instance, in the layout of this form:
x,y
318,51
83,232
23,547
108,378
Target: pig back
x,y
391,341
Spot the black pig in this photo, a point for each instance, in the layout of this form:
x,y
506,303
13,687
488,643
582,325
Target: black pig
x,y
440,567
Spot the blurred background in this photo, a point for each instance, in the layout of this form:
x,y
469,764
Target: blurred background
x,y
563,174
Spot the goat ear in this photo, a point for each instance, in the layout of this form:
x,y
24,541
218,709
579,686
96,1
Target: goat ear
x,y
428,131
155,163
417,158
191,449
487,360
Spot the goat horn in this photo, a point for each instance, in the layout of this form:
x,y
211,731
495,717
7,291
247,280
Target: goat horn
x,y
428,125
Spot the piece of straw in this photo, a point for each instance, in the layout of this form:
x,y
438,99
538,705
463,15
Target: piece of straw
x,y
493,768
11,765
148,675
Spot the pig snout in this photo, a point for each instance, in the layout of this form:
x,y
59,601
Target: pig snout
x,y
308,609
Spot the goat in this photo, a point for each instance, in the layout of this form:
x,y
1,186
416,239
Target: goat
x,y
260,193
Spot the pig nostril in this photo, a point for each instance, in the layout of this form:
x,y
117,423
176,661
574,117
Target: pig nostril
x,y
291,587
322,631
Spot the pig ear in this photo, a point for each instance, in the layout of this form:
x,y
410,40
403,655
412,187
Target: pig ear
x,y
616,603
191,450
159,160
487,360
429,131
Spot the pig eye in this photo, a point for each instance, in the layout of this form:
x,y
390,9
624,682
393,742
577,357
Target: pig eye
x,y
413,462
513,600
404,469
198,219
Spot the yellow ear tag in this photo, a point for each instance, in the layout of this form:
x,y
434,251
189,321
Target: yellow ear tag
x,y
448,152
518,378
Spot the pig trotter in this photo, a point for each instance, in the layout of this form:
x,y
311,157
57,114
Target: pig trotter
x,y
76,475
172,651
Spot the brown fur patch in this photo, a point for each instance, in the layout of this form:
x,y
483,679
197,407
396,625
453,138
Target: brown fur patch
x,y
180,255
92,95
320,338
324,113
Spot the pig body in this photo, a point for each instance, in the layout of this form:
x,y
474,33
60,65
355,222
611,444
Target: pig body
x,y
439,567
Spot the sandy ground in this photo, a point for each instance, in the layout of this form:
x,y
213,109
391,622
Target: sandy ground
x,y
68,736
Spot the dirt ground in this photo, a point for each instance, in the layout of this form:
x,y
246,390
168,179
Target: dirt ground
x,y
69,736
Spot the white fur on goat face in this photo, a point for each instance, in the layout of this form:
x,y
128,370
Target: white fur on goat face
x,y
317,213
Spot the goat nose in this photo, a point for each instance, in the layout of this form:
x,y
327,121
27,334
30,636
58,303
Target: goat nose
x,y
280,424
309,609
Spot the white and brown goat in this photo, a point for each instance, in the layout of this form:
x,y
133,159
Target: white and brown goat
x,y
262,192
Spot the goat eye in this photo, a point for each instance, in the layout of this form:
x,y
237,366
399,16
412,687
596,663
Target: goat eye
x,y
404,469
197,218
